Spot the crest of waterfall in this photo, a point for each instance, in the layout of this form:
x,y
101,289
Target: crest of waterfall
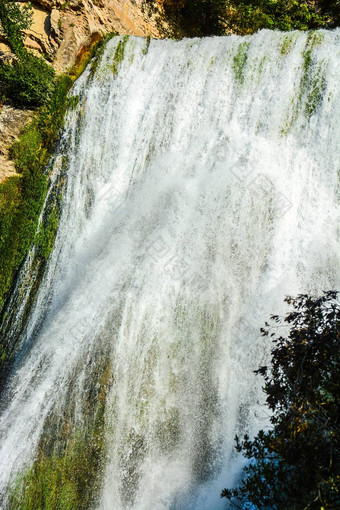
x,y
202,187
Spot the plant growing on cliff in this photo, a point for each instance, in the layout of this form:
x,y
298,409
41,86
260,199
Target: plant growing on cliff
x,y
248,16
28,80
14,19
296,464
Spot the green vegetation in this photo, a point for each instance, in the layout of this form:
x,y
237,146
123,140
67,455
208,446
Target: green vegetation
x,y
147,44
240,61
288,44
68,474
100,47
295,465
119,54
21,198
248,16
196,18
311,91
313,84
27,80
13,20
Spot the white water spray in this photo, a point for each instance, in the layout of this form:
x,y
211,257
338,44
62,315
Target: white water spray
x,y
202,189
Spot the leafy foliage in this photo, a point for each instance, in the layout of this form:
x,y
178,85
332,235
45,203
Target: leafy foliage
x,y
196,18
296,464
13,20
28,80
248,16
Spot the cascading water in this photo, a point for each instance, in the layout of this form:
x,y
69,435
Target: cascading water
x,y
202,189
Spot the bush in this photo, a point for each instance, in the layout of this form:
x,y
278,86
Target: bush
x,y
296,464
28,81
13,20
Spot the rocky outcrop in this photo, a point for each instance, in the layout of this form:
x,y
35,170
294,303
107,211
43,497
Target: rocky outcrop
x,y
61,28
12,121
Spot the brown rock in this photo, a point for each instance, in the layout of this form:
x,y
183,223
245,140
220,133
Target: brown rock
x,y
76,5
55,23
12,121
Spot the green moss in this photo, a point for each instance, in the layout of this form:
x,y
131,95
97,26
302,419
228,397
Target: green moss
x,y
288,44
313,81
119,54
65,480
314,39
211,63
46,235
261,66
240,61
312,85
72,102
97,53
147,44
316,91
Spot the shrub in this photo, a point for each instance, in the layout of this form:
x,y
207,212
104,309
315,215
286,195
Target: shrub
x,y
248,16
13,20
28,81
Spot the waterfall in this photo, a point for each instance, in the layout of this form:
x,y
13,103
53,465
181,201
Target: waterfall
x,y
202,188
